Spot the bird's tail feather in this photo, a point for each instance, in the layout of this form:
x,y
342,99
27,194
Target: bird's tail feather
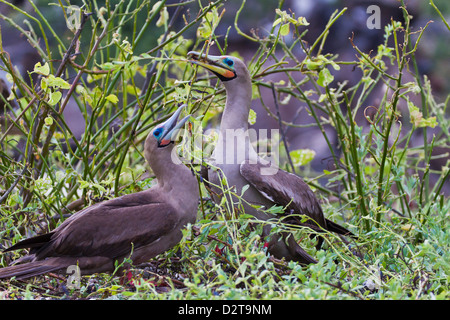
x,y
298,253
28,270
303,257
334,227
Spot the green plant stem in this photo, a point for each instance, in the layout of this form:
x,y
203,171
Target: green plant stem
x,y
353,146
438,12
387,131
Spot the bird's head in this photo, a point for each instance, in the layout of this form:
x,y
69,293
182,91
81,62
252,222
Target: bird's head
x,y
233,73
226,68
161,155
166,132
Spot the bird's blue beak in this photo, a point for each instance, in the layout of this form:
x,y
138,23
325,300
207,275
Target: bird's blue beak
x,y
166,132
221,66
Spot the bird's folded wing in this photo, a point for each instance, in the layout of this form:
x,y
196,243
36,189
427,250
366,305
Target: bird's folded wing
x,y
112,228
283,189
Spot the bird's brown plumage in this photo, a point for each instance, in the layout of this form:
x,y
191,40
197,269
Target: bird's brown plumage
x,y
281,188
137,226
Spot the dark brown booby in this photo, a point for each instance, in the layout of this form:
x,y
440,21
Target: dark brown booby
x,y
138,226
268,185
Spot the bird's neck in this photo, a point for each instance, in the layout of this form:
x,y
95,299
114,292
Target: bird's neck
x,y
169,170
237,106
234,144
175,176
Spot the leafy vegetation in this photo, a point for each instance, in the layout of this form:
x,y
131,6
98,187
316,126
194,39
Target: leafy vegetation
x,y
381,186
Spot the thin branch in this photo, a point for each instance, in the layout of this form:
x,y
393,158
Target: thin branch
x,y
73,44
11,188
152,70
283,137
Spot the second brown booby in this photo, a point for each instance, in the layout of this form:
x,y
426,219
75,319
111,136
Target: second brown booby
x,y
138,226
266,189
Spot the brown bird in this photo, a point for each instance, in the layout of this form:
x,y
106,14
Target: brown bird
x,y
138,226
237,160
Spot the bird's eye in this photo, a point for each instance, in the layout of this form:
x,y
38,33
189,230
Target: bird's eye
x,y
228,61
157,132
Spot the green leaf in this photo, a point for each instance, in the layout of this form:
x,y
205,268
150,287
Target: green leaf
x,y
99,187
286,17
42,69
155,6
325,78
334,65
417,119
252,117
108,66
224,181
313,65
54,97
276,22
412,86
209,23
48,121
284,30
126,46
301,21
316,63
275,209
301,157
164,16
44,84
112,98
244,188
255,92
9,77
57,82
429,122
